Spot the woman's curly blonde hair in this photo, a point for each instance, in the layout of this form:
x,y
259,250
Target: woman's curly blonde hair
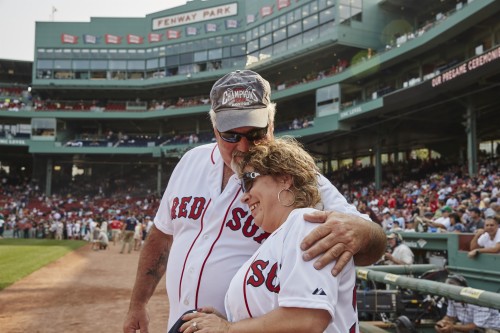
x,y
285,156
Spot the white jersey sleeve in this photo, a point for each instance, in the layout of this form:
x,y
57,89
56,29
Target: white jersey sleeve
x,y
302,286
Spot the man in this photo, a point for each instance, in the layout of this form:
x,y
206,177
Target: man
x,y
486,240
116,226
128,230
440,224
475,221
492,210
388,221
207,233
463,317
400,253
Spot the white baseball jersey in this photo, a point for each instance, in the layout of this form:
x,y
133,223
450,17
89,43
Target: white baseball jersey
x,y
276,276
213,232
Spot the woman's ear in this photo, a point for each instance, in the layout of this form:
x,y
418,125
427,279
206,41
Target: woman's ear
x,y
286,180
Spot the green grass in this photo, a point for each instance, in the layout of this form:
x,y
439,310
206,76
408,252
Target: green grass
x,y
21,257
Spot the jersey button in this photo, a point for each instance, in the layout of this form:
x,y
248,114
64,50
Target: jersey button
x,y
186,302
191,270
205,236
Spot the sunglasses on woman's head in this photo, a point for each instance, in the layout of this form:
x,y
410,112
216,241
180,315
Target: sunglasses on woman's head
x,y
247,180
253,135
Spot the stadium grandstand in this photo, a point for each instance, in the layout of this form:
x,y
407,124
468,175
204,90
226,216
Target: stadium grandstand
x,y
361,83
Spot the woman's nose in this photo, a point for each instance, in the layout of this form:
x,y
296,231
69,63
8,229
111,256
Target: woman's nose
x,y
244,198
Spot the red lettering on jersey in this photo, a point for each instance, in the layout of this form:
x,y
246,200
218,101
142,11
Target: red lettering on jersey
x,y
262,237
238,213
197,208
183,207
271,280
173,210
257,279
353,328
249,228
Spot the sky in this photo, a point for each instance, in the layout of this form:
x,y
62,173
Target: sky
x,y
18,17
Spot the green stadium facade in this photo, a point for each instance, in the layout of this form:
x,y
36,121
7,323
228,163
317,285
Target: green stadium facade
x,y
126,97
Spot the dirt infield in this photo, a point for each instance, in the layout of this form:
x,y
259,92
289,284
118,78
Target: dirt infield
x,y
84,291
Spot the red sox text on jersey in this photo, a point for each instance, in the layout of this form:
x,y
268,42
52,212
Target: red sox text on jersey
x,y
193,207
260,277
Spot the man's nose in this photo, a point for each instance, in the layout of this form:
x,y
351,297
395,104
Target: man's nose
x,y
244,145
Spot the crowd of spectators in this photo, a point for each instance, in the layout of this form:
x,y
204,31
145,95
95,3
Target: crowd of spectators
x,y
28,213
423,196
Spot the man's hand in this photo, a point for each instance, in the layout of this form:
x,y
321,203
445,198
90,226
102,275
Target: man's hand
x,y
205,322
473,253
136,319
443,326
340,237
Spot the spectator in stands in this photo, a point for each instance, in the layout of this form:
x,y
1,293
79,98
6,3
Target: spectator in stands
x,y
452,201
363,208
396,227
463,317
456,224
440,224
398,217
462,213
486,240
475,221
399,253
387,220
492,210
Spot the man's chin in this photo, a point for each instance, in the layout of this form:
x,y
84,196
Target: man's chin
x,y
235,161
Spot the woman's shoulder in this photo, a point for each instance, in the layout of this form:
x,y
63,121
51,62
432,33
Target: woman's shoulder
x,y
296,222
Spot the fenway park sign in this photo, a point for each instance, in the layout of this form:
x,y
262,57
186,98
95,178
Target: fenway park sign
x,y
206,14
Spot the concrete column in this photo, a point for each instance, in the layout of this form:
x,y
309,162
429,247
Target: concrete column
x,y
48,177
471,131
378,165
159,180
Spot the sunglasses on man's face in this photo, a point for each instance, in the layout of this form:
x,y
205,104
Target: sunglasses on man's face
x,y
251,136
247,180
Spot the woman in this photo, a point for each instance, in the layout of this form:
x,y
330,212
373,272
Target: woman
x,y
276,290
